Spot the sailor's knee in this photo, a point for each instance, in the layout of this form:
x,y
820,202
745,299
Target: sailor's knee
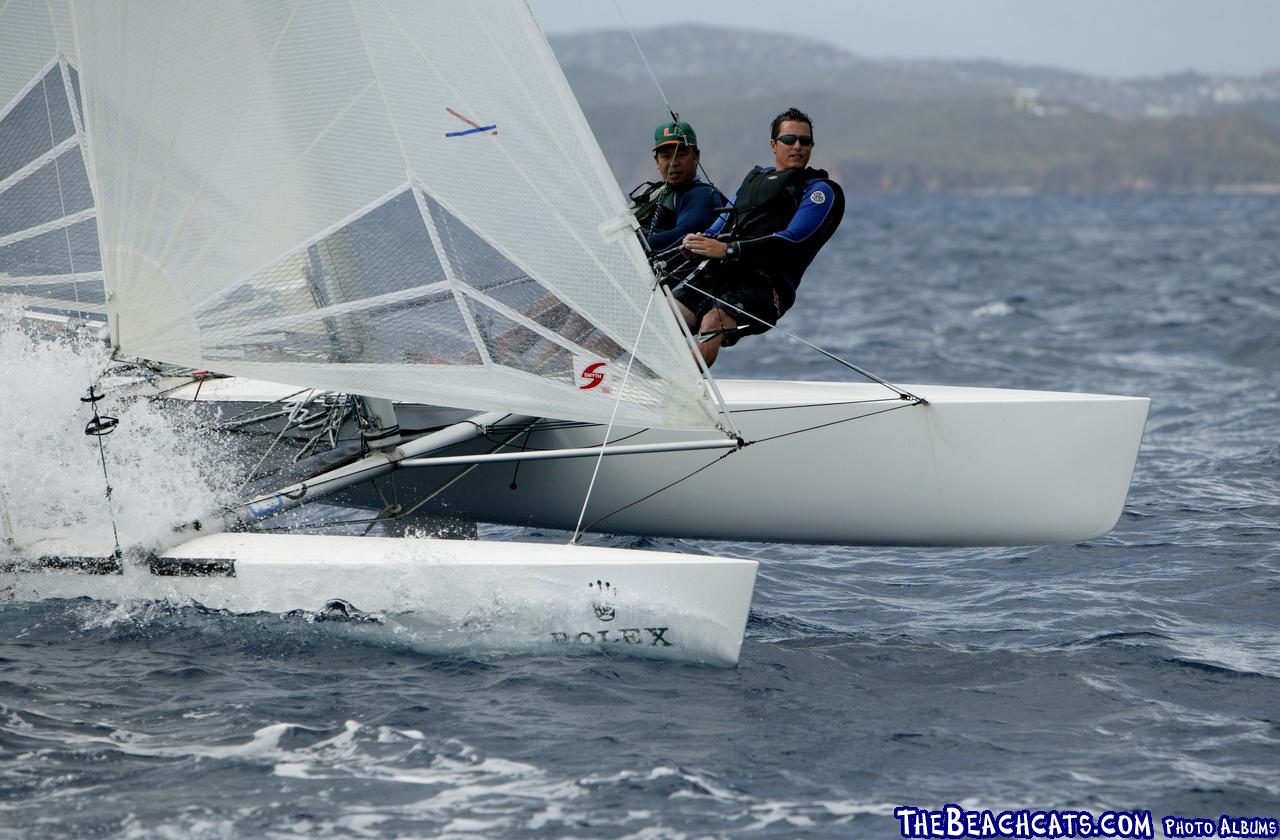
x,y
717,319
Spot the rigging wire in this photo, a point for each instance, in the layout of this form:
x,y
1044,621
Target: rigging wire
x,y
644,319
659,271
724,455
286,426
675,117
618,5
906,395
413,508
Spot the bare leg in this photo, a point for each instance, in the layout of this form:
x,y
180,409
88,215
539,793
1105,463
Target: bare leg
x,y
716,319
687,314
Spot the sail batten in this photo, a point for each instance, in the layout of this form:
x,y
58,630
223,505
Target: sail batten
x,y
451,276
56,224
399,196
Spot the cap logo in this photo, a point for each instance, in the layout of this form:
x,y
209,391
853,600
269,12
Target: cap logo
x,y
818,196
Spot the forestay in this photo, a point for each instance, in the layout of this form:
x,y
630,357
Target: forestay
x,y
49,255
388,197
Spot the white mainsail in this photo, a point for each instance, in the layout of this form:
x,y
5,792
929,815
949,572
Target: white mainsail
x,y
387,197
49,255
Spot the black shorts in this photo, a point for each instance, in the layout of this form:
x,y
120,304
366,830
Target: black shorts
x,y
741,288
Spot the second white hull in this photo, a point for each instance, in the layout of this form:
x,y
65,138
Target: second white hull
x,y
841,463
976,466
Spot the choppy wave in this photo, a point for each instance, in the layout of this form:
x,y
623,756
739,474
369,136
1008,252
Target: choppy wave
x,y
1137,670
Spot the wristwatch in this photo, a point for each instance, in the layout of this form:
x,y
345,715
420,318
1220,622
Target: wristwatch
x,y
731,251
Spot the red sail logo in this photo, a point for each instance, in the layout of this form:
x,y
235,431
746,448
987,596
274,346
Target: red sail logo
x,y
592,376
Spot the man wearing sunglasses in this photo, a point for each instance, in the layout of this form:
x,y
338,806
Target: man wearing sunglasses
x,y
751,260
679,203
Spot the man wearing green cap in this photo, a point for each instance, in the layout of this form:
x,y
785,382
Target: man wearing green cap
x,y
679,203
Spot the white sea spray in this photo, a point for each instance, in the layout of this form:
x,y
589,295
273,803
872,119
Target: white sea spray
x,y
163,466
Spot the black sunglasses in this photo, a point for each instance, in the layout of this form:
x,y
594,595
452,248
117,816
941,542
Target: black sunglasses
x,y
788,139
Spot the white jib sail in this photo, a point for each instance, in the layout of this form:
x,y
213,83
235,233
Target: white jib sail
x,y
49,254
388,197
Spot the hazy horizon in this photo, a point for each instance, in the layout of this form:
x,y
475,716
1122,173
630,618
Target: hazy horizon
x,y
1135,38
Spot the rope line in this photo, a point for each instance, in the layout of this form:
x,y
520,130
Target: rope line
x,y
413,508
288,424
832,356
652,75
835,422
732,451
613,415
525,447
675,117
717,460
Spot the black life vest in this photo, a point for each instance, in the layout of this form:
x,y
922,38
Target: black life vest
x,y
649,198
768,199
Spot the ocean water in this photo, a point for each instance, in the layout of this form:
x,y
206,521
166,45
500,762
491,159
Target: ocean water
x,y
1138,671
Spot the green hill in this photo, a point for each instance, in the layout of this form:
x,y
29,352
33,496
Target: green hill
x,y
910,127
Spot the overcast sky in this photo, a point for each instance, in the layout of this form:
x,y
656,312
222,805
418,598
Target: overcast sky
x,y
1104,37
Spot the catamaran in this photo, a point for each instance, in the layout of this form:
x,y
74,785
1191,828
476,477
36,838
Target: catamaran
x,y
403,201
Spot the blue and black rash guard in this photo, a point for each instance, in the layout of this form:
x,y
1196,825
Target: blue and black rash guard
x,y
688,208
787,252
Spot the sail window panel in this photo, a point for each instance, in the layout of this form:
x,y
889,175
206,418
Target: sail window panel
x,y
514,345
425,330
48,254
48,193
385,251
36,123
474,261
482,267
533,301
71,294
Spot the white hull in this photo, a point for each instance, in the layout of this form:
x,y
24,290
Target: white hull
x,y
472,598
976,466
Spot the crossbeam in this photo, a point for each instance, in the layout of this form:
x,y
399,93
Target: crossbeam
x,y
555,454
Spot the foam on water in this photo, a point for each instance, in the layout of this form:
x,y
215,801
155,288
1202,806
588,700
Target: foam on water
x,y
1138,670
453,786
163,467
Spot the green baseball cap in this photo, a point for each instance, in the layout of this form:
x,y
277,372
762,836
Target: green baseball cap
x,y
674,132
